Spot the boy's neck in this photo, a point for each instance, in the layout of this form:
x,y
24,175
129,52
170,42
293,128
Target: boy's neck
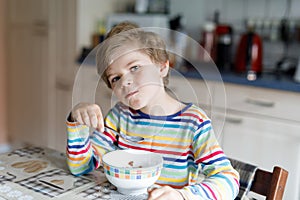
x,y
164,106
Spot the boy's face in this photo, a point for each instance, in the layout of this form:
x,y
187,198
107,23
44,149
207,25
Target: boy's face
x,y
136,80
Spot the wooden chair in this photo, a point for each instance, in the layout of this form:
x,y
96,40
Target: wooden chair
x,y
270,184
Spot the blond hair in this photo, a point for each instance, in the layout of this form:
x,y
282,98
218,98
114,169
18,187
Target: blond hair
x,y
124,38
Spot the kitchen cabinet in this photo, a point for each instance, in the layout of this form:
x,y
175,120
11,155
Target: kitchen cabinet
x,y
63,68
41,54
265,143
28,63
261,127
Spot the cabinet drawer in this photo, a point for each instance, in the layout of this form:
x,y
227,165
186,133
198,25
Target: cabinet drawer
x,y
262,101
190,90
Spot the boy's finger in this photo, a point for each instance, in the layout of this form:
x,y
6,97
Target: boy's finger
x,y
85,118
93,118
94,121
155,193
77,117
152,187
100,122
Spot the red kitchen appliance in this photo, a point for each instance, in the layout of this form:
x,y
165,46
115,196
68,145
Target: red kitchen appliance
x,y
249,54
224,34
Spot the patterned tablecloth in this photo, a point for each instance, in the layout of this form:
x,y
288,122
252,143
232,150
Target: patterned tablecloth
x,y
41,173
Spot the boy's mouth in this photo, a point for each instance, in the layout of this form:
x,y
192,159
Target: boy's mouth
x,y
130,94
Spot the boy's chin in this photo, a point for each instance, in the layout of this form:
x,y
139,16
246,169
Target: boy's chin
x,y
134,104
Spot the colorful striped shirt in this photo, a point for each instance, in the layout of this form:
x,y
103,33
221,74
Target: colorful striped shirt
x,y
194,163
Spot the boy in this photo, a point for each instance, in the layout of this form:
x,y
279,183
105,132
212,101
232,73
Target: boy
x,y
134,64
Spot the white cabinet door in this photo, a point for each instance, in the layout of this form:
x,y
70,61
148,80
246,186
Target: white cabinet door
x,y
41,58
63,66
265,143
29,12
28,60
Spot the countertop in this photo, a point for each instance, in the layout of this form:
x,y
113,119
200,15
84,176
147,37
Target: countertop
x,y
266,80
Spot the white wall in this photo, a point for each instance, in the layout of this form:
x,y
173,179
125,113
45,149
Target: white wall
x,y
89,12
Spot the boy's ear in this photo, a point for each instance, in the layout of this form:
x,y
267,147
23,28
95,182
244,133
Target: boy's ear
x,y
164,69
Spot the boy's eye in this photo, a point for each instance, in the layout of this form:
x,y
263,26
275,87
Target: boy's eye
x,y
114,79
134,68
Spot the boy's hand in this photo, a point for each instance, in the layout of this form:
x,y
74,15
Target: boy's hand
x,y
88,114
164,193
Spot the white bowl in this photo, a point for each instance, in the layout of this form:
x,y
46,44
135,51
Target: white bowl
x,y
132,171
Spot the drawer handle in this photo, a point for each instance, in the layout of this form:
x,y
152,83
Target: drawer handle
x,y
234,120
63,86
261,103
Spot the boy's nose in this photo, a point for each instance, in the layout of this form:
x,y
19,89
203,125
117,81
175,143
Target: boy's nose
x,y
127,80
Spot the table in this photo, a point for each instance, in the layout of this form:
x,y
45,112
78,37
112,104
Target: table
x,y
32,172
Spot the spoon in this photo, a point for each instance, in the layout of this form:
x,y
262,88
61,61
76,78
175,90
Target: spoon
x,y
131,138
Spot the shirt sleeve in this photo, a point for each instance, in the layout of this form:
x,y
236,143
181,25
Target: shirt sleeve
x,y
221,180
85,150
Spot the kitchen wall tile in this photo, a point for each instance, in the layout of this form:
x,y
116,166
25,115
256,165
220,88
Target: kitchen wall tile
x,y
194,15
295,9
255,8
277,8
235,13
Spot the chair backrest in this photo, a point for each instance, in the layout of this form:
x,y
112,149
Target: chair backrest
x,y
270,184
